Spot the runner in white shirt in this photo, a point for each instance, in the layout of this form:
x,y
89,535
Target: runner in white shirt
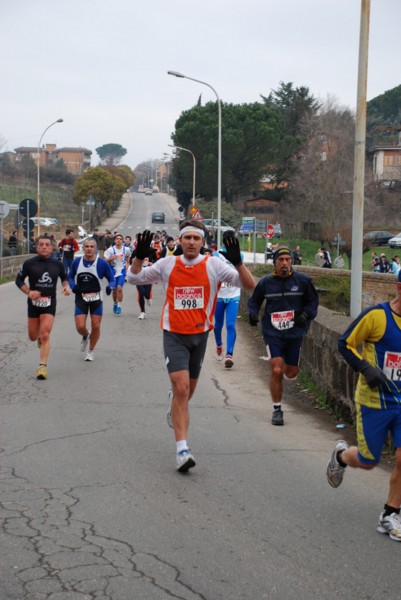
x,y
118,257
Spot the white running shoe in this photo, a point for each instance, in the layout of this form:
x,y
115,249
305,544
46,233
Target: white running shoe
x,y
219,353
335,472
169,414
84,343
185,461
89,355
141,316
149,301
391,524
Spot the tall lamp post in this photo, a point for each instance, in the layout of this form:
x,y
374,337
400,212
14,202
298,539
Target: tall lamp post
x,y
38,170
194,169
176,74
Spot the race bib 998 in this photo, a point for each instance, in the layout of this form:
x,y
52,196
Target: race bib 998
x,y
188,298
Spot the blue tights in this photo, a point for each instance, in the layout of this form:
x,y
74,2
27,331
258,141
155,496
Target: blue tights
x,y
230,309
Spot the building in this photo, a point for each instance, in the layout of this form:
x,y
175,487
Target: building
x,y
385,150
76,160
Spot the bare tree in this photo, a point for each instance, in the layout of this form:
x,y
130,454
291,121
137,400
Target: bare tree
x,y
320,193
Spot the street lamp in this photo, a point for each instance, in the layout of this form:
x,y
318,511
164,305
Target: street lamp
x,y
38,170
194,169
176,74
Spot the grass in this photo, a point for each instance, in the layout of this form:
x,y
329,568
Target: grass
x,y
55,201
310,247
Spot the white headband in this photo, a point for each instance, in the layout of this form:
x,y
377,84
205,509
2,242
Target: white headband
x,y
191,229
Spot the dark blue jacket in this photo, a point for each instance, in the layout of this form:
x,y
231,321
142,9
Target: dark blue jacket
x,y
294,293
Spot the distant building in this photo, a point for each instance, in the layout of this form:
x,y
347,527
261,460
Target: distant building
x,y
76,160
385,150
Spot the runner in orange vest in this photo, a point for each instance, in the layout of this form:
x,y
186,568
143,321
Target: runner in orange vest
x,y
191,282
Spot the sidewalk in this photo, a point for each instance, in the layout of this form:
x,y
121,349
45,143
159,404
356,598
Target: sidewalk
x,y
117,217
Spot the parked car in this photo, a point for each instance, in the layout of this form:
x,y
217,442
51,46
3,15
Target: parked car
x,y
212,224
148,192
378,238
395,242
158,217
45,221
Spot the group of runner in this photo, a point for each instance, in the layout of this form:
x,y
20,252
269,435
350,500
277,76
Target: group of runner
x,y
192,280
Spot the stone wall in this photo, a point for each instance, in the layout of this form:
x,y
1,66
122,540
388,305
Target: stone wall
x,y
376,287
11,264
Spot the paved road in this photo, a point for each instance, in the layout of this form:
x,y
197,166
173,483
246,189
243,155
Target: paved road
x,y
91,506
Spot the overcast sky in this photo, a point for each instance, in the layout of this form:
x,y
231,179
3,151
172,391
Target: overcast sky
x,y
101,65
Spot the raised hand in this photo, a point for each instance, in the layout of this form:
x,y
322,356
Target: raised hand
x,y
142,249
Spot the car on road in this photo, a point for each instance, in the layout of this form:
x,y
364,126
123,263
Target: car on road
x,y
148,192
158,217
395,242
212,224
378,238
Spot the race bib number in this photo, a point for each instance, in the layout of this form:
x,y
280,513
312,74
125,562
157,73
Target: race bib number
x,y
188,298
42,302
283,319
392,366
91,296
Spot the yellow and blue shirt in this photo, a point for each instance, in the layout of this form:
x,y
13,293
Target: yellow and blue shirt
x,y
378,329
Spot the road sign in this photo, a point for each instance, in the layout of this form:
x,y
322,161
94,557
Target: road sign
x,y
270,231
197,216
28,207
28,224
90,201
260,225
4,209
248,225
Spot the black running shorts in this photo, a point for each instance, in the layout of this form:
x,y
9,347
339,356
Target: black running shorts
x,y
184,352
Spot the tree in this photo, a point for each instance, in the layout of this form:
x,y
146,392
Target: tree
x,y
111,154
105,188
124,173
320,193
248,142
292,106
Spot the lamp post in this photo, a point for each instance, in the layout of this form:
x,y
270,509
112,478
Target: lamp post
x,y
38,170
194,169
176,74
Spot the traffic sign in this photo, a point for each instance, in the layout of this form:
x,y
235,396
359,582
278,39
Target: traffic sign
x,y
4,209
28,207
197,216
28,224
248,224
270,231
260,225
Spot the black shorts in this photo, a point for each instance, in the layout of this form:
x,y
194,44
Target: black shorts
x,y
34,312
184,352
84,308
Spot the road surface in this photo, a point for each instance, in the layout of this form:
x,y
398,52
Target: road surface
x,y
92,508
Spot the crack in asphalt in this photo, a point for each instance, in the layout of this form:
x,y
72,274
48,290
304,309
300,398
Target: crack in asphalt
x,y
61,557
61,437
